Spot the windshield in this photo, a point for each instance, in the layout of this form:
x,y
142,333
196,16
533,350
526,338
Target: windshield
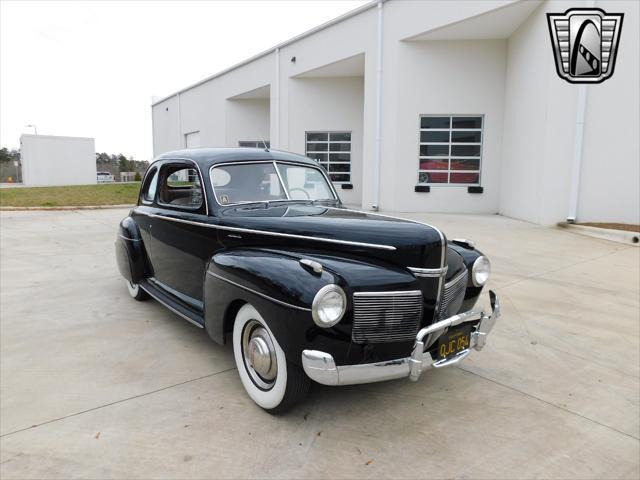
x,y
261,182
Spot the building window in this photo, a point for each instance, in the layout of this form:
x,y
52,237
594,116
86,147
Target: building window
x,y
333,151
254,144
450,149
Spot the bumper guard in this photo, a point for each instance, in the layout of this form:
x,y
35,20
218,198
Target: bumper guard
x,y
321,367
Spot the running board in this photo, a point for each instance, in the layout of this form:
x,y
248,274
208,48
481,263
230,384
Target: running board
x,y
166,300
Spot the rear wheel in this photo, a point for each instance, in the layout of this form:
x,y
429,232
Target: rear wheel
x,y
136,292
271,381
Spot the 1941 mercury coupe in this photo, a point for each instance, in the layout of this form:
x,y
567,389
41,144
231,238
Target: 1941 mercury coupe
x,y
255,247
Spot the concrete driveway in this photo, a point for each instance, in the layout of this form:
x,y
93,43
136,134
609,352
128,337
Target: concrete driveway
x,y
96,385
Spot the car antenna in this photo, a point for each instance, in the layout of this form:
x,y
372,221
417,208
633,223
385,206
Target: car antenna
x,y
266,149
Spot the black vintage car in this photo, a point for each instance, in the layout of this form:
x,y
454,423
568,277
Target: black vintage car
x,y
255,247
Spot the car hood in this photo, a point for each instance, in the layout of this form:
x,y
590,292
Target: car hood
x,y
402,241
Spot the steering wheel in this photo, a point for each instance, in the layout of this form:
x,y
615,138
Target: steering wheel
x,y
301,190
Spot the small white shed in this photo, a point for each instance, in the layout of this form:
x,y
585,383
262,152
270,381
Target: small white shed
x,y
49,160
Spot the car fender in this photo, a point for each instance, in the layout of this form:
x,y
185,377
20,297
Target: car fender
x,y
130,253
283,289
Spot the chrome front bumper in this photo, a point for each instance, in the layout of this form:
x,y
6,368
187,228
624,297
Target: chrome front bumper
x,y
321,367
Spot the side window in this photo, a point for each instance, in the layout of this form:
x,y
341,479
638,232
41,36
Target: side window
x,y
150,187
180,187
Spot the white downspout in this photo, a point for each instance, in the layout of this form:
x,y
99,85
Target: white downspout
x,y
378,135
578,140
576,167
181,142
275,143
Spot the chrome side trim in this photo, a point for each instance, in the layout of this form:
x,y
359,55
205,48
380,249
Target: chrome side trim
x,y
156,298
429,272
130,239
273,234
267,297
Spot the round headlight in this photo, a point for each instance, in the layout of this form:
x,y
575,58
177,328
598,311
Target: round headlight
x,y
328,306
480,271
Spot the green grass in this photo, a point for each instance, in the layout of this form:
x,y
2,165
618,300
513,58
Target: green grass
x,y
74,195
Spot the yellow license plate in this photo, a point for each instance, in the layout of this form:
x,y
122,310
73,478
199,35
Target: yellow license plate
x,y
454,341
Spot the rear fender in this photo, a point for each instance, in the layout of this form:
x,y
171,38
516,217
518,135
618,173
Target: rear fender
x,y
130,253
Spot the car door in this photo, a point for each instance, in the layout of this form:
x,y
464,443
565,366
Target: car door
x,y
178,241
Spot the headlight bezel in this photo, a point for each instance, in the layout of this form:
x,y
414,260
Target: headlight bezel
x,y
316,305
480,265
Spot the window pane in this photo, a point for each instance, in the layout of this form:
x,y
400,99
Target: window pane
x,y
467,122
339,167
434,137
340,157
246,183
433,177
465,164
340,137
434,164
465,177
317,137
434,122
465,137
339,177
181,187
152,186
434,150
465,150
318,157
304,183
324,165
340,147
316,147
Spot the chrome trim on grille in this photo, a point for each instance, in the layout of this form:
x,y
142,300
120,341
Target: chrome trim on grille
x,y
429,272
453,294
380,317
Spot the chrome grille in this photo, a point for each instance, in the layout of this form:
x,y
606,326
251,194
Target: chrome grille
x,y
453,295
380,317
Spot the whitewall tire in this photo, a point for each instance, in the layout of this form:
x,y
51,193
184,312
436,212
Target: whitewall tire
x,y
269,379
136,292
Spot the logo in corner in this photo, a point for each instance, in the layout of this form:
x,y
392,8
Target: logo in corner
x,y
585,43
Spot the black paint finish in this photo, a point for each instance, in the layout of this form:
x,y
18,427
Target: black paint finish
x,y
206,263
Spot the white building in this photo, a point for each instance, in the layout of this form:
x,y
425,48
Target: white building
x,y
371,79
49,160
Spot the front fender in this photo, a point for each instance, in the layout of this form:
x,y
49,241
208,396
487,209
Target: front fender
x,y
282,290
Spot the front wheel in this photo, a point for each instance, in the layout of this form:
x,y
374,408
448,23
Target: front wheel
x,y
136,292
271,381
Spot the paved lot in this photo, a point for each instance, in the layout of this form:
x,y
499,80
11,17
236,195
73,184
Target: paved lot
x,y
96,385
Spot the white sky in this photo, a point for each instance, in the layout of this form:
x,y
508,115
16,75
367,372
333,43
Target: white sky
x,y
90,68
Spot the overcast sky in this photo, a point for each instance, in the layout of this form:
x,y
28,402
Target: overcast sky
x,y
90,68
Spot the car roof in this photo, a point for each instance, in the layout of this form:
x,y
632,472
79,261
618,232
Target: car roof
x,y
207,157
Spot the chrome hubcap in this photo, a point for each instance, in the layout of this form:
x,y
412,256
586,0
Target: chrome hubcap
x,y
259,355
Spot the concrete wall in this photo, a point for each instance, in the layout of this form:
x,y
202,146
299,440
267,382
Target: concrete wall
x,y
329,104
539,131
246,120
465,57
441,77
52,160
